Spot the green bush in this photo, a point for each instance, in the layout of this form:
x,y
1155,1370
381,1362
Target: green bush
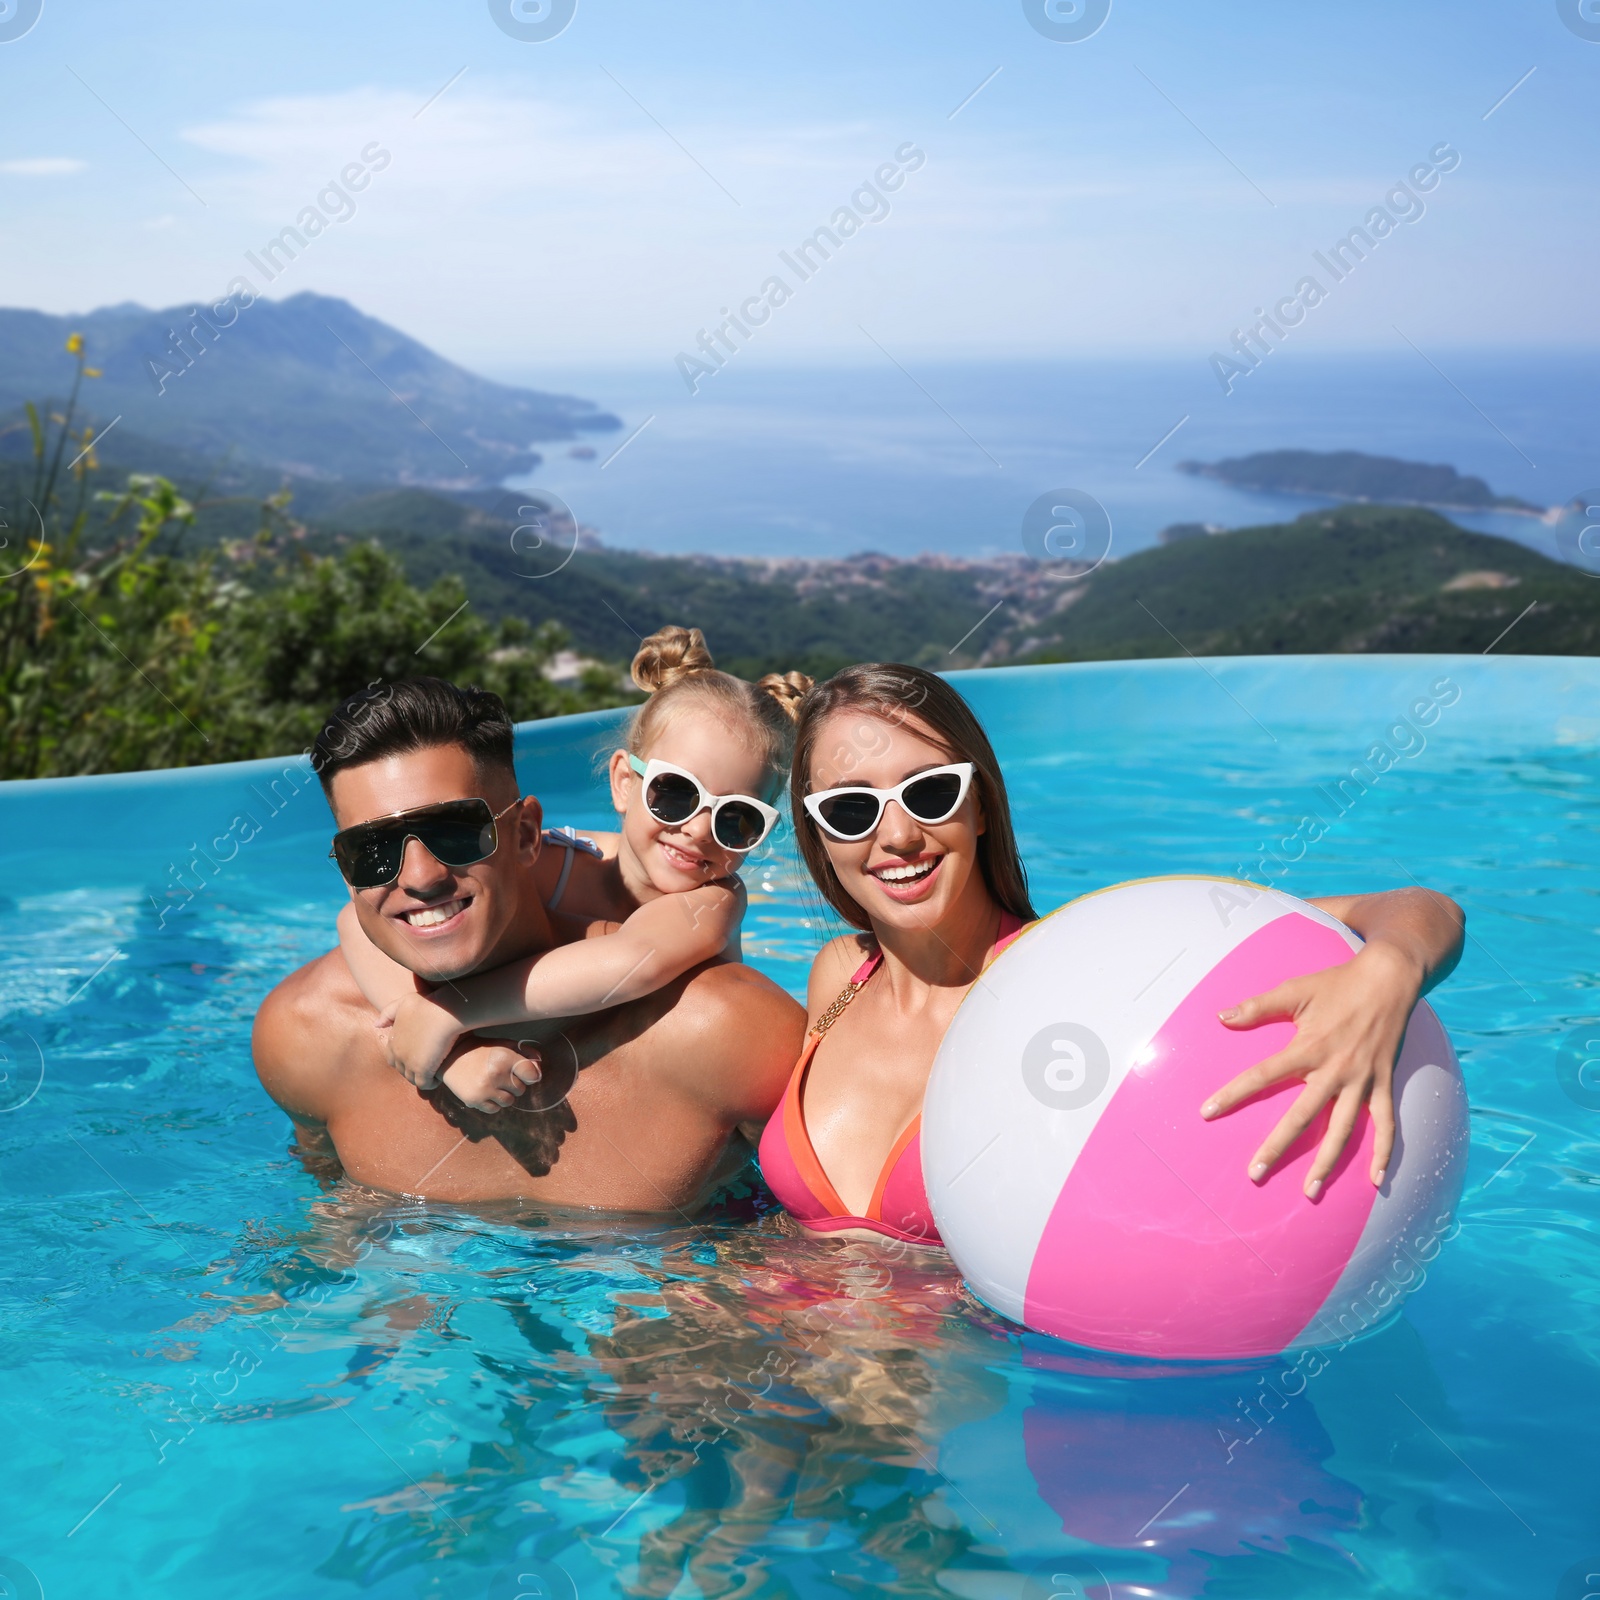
x,y
115,656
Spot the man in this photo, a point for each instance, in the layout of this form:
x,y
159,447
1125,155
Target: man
x,y
638,1108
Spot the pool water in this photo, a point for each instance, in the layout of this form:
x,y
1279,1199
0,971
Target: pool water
x,y
220,1377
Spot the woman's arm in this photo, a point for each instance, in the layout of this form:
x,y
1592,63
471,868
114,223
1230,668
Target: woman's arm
x,y
1349,1023
657,943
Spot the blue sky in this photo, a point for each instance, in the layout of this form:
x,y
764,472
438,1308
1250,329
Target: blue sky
x,y
598,197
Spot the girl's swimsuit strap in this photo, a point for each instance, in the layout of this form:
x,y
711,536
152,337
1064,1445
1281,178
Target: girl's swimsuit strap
x,y
571,843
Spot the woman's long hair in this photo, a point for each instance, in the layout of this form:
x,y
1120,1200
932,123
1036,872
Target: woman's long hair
x,y
929,706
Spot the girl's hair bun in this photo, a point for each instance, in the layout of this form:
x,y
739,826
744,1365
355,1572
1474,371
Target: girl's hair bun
x,y
670,655
675,669
788,689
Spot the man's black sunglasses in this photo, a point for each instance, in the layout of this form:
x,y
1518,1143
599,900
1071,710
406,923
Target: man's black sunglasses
x,y
454,832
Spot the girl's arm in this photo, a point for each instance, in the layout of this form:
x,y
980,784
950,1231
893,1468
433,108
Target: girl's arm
x,y
1350,1021
486,1077
657,943
382,981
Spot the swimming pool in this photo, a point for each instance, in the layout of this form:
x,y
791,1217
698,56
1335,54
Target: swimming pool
x,y
216,1378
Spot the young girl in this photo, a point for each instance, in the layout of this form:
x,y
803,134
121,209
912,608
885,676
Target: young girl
x,y
653,900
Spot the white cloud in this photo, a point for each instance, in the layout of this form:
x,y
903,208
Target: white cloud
x,y
43,166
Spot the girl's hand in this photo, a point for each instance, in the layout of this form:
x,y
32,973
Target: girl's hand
x,y
417,1033
1350,1021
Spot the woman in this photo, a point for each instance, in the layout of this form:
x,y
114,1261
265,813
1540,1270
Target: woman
x,y
902,817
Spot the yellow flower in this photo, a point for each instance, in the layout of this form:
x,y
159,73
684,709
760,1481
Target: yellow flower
x,y
93,372
74,344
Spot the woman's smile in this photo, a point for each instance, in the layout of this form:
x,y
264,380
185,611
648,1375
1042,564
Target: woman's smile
x,y
908,879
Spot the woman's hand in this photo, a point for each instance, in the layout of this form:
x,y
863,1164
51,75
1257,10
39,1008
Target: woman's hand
x,y
1350,1021
418,1033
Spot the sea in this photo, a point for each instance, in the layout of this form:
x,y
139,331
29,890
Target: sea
x,y
947,458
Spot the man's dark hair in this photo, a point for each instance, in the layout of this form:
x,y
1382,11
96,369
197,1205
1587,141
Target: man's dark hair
x,y
386,719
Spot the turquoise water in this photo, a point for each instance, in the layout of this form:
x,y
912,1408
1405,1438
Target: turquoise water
x,y
217,1377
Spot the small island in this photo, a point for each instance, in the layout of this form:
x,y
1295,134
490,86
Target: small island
x,y
1351,475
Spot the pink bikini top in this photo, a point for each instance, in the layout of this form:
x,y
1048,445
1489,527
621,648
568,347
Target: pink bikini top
x,y
899,1204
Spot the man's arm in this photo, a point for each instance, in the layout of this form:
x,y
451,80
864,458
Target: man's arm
x,y
294,1050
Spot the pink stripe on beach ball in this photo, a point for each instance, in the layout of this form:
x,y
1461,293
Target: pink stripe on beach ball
x,y
1223,1270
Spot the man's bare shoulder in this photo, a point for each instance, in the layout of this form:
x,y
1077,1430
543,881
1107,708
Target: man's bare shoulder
x,y
302,1032
730,1038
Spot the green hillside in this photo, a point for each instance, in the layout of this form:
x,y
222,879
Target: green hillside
x,y
1360,578
758,619
245,607
245,604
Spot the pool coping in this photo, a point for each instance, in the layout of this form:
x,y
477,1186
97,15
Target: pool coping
x,y
579,733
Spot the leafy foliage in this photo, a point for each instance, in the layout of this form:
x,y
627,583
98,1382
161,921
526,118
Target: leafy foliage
x,y
117,653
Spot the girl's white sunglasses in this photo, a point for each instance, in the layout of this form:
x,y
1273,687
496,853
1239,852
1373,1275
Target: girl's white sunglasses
x,y
854,812
674,796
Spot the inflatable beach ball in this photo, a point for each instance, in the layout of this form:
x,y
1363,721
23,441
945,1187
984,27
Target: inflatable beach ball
x,y
1081,1193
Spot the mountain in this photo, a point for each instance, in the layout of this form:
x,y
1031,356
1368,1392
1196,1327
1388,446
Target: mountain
x,y
1350,475
307,386
1357,578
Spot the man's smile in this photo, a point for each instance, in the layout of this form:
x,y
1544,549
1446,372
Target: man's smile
x,y
432,919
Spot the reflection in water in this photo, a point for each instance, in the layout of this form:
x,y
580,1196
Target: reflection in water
x,y
1218,1480
786,1382
729,1410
